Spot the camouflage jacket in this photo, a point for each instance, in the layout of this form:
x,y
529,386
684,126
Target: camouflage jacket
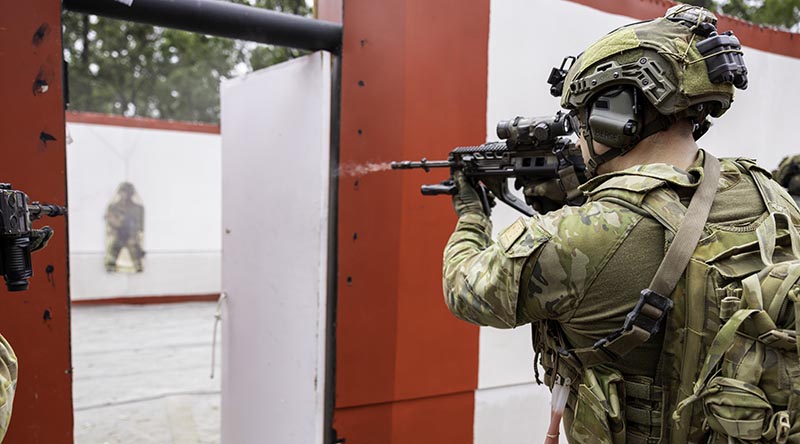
x,y
8,384
582,267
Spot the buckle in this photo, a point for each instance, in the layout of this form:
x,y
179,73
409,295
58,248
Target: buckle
x,y
782,427
782,339
649,312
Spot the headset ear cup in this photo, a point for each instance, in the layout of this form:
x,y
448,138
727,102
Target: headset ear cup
x,y
616,118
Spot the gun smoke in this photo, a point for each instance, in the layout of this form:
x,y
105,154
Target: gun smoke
x,y
353,170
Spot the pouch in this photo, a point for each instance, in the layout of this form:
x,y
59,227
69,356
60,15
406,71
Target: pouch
x,y
599,409
736,409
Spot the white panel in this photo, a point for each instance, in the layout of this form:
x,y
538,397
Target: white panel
x,y
517,87
512,414
519,62
506,357
762,120
759,125
275,126
177,175
179,273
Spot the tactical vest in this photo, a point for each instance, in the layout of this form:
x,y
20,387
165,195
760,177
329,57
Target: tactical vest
x,y
748,325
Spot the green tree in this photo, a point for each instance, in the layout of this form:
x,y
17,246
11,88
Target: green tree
x,y
782,14
708,4
140,70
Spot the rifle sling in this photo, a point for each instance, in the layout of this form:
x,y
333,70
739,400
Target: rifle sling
x,y
649,314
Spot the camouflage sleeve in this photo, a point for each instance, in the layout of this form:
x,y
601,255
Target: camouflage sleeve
x,y
481,278
8,384
539,268
584,240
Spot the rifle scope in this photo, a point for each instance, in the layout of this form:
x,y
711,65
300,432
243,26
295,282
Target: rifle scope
x,y
533,131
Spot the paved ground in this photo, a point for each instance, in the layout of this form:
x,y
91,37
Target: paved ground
x,y
141,374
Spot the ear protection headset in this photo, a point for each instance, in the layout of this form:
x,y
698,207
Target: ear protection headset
x,y
615,118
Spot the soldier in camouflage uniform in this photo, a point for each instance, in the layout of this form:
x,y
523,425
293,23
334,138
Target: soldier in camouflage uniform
x,y
8,384
577,272
788,175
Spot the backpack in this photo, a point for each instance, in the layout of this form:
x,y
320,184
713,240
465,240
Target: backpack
x,y
729,369
748,388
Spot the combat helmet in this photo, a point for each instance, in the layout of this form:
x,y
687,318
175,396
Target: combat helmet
x,y
788,174
678,63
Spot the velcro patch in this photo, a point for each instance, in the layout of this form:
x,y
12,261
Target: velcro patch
x,y
510,235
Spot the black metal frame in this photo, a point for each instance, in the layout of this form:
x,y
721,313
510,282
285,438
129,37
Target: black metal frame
x,y
333,253
223,19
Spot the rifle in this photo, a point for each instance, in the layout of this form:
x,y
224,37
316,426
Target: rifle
x,y
531,149
17,234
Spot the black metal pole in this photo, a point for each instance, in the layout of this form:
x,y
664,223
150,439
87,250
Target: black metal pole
x,y
333,252
222,19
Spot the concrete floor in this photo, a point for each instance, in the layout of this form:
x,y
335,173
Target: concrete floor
x,y
141,374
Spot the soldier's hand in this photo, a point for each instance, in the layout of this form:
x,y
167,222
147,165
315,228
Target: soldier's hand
x,y
40,237
466,200
542,194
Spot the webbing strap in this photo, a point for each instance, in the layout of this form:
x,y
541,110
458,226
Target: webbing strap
x,y
643,391
768,231
794,398
643,416
640,439
793,274
654,303
665,207
722,342
681,249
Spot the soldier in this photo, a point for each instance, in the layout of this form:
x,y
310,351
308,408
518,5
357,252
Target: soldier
x,y
8,384
640,97
788,175
125,228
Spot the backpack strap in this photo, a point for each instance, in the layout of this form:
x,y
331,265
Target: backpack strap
x,y
794,397
722,342
665,206
648,315
779,207
688,235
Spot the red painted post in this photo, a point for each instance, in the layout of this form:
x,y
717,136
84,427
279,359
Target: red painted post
x,y
32,140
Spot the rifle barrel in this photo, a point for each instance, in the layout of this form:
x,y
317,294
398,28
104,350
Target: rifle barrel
x,y
38,210
425,164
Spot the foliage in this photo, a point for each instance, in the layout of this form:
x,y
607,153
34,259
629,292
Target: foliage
x,y
140,70
783,14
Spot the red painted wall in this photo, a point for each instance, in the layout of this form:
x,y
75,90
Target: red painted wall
x,y
414,85
140,122
36,322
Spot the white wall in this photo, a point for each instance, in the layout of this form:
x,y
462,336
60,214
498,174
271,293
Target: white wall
x,y
762,120
526,39
177,174
274,262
